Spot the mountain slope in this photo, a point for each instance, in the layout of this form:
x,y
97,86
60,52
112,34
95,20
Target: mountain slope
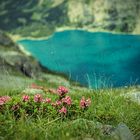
x,y
18,69
41,17
13,60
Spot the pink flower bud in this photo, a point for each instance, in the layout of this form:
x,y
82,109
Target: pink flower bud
x,y
38,98
62,90
4,99
25,98
85,103
63,110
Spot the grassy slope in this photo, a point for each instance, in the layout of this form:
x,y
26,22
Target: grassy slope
x,y
107,107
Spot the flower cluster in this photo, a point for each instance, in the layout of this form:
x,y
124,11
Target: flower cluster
x,y
62,104
62,91
84,103
4,99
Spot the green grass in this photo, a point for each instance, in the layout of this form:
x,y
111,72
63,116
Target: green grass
x,y
107,108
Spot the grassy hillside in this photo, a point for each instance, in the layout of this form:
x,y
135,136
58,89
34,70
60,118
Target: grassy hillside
x,y
98,122
41,17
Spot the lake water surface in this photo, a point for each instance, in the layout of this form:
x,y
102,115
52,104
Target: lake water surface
x,y
93,59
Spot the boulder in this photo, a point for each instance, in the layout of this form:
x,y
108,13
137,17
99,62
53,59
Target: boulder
x,y
122,132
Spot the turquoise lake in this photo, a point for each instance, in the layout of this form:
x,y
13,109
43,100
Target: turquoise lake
x,y
96,60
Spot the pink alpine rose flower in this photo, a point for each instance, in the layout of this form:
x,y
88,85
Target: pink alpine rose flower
x,y
62,90
38,98
25,98
67,100
63,110
4,99
84,103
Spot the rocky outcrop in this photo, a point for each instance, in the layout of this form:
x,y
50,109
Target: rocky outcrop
x,y
116,15
14,61
6,42
80,13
